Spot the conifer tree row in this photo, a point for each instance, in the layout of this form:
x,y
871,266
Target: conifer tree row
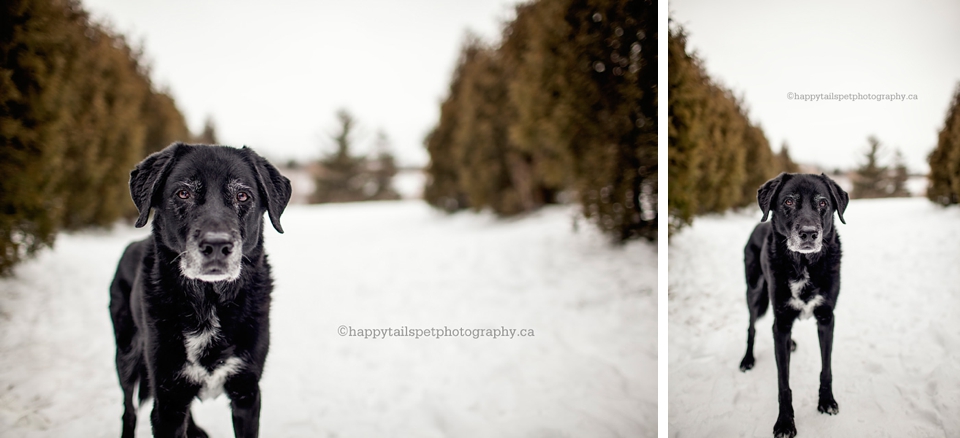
x,y
718,158
77,112
564,104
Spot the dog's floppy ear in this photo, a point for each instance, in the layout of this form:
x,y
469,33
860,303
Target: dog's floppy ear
x,y
147,178
837,196
768,192
273,187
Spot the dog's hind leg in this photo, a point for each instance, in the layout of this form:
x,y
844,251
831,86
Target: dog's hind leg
x,y
128,359
127,337
127,371
827,404
757,302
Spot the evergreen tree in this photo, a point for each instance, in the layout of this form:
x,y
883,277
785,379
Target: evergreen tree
x,y
77,111
164,122
689,88
784,161
382,168
443,186
337,180
899,176
38,53
761,165
871,179
209,133
566,101
532,47
480,144
612,102
718,158
944,186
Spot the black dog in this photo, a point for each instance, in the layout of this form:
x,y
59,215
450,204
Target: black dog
x,y
794,262
190,303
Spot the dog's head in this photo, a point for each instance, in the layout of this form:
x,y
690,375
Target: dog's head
x,y
802,207
209,203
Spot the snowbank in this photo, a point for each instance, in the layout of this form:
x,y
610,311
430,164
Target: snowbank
x,y
589,369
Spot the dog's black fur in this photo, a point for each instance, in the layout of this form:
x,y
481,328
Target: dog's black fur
x,y
190,304
793,261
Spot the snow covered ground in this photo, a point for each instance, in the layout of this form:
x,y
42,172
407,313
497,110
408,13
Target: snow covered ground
x,y
896,356
589,370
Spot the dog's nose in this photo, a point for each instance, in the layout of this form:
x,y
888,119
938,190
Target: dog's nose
x,y
808,233
216,245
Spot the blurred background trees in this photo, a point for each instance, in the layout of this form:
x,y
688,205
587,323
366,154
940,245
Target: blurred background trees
x,y
717,157
564,105
77,112
944,187
873,179
342,176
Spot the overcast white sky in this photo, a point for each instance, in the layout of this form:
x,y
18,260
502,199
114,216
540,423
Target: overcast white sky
x,y
766,49
273,74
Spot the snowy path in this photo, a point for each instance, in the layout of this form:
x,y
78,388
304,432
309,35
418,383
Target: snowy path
x,y
589,369
896,359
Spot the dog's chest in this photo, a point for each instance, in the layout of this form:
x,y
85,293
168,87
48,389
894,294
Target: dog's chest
x,y
209,363
803,297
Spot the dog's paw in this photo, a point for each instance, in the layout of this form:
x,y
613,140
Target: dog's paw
x,y
746,363
784,428
828,405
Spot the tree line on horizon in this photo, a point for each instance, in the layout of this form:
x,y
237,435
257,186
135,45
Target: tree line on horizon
x,y
77,112
563,107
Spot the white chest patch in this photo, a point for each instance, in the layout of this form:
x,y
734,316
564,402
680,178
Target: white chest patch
x,y
211,382
805,307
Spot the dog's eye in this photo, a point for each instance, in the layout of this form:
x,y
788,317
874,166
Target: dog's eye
x,y
243,197
823,203
183,194
788,202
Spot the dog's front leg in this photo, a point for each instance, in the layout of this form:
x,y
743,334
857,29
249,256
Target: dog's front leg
x,y
784,427
244,392
826,404
171,413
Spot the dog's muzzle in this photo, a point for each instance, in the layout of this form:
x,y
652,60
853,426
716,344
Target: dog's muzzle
x,y
214,256
805,239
